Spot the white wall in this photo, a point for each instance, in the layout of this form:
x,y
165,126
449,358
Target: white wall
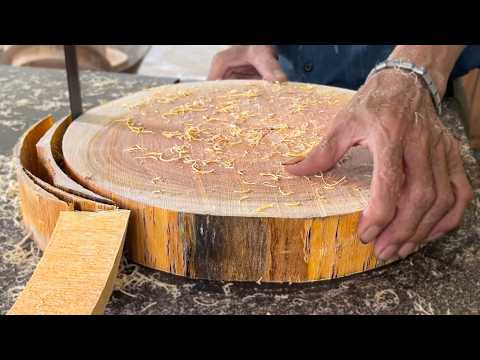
x,y
182,61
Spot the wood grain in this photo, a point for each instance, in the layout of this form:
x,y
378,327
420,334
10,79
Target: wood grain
x,y
49,152
77,271
198,225
97,144
78,203
41,202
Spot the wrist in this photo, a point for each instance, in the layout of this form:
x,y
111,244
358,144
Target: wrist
x,y
412,70
440,79
438,60
393,86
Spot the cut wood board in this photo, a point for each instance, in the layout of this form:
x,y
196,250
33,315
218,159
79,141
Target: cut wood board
x,y
199,166
40,208
77,271
78,203
41,202
49,152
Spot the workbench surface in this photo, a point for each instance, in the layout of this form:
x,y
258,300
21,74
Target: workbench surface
x,y
443,278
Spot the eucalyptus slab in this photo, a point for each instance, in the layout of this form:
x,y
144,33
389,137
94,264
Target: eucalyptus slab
x,y
200,167
49,152
77,271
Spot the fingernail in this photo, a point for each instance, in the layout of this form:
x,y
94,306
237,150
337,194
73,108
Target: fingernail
x,y
435,237
388,252
370,234
407,249
293,161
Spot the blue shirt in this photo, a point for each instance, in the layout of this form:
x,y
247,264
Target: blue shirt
x,y
348,66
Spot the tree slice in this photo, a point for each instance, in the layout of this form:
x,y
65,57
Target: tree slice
x,y
200,166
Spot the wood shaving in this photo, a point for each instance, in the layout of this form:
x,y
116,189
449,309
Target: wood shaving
x,y
263,208
247,191
296,204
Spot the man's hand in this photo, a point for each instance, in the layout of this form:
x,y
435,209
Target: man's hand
x,y
419,189
247,62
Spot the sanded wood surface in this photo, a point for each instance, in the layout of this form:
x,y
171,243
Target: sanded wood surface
x,y
200,167
77,271
202,148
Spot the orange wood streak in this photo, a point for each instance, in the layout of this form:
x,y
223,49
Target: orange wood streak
x,y
322,248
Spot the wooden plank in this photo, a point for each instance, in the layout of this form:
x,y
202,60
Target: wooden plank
x,y
77,271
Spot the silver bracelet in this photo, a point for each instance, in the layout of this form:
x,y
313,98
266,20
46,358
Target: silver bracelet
x,y
411,67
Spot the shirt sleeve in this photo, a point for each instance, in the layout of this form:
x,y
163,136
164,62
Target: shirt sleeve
x,y
469,60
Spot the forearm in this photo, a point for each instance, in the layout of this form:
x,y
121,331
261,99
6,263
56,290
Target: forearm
x,y
439,60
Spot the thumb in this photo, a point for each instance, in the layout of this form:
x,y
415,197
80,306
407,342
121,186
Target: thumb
x,y
324,156
269,67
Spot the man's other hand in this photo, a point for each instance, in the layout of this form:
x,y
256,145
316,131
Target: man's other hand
x,y
419,188
247,62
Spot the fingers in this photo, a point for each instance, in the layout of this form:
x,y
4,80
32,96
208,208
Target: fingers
x,y
463,195
416,199
325,155
242,72
261,59
267,64
223,61
387,182
444,202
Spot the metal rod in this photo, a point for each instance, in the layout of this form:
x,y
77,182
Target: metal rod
x,y
73,80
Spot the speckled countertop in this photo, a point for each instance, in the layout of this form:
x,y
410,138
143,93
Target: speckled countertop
x,y
443,278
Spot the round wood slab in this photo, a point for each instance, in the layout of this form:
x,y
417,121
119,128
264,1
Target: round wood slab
x,y
200,166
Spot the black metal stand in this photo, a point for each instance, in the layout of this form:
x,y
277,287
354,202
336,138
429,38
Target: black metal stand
x,y
73,80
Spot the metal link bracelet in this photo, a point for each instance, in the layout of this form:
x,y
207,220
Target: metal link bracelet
x,y
411,67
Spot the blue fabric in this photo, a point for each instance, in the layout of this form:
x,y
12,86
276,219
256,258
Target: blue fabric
x,y
348,66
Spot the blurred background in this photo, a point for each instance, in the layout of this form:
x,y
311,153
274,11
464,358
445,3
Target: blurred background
x,y
181,61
